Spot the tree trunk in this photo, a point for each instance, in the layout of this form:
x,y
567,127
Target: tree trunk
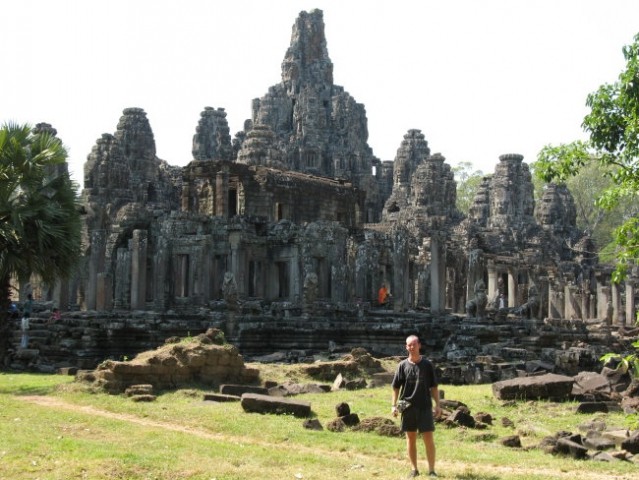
x,y
5,321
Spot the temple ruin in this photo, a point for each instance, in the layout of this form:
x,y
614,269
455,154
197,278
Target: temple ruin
x,y
282,235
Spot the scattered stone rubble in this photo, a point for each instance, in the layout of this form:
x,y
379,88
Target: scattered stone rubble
x,y
207,361
204,360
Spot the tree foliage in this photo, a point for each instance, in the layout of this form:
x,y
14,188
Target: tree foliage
x,y
625,363
468,181
39,215
612,126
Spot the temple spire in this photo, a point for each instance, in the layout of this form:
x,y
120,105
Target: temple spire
x,y
306,60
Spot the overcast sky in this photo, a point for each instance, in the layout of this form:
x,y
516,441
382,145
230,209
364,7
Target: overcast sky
x,y
478,78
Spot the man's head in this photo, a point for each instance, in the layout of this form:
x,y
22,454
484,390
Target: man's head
x,y
413,344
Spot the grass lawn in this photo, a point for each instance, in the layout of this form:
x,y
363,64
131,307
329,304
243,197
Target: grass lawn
x,y
53,428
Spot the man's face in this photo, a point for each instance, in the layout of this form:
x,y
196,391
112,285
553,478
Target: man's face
x,y
412,345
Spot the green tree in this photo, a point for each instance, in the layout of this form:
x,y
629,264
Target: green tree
x,y
39,215
468,181
613,129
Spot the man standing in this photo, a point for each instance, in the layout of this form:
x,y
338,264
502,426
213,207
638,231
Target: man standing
x,y
415,382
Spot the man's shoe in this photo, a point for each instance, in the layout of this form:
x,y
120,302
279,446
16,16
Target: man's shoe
x,y
432,474
413,474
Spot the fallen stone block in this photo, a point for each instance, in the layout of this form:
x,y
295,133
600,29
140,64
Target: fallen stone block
x,y
631,444
572,449
220,397
67,370
239,390
592,407
381,379
256,403
549,386
313,424
143,398
512,441
139,389
350,420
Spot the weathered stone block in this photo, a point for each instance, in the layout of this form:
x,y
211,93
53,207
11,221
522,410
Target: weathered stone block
x,y
632,443
220,397
253,402
573,449
549,386
239,390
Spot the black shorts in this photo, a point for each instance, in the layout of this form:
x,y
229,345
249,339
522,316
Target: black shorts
x,y
414,419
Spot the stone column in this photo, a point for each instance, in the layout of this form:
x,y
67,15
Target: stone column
x,y
138,270
205,268
615,298
492,280
569,311
512,288
61,294
572,302
221,194
604,304
551,301
162,286
185,197
96,266
437,277
555,301
234,244
585,305
296,283
602,299
631,313
104,292
121,297
475,271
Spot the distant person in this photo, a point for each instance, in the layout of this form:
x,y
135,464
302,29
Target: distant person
x,y
383,295
502,301
415,382
27,309
55,316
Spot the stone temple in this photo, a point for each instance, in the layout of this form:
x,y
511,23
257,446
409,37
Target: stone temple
x,y
283,234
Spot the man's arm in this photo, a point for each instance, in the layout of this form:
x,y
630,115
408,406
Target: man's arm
x,y
434,393
394,401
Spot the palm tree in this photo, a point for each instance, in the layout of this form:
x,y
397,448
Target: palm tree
x,y
39,215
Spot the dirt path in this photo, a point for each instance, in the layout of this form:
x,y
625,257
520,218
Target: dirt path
x,y
520,470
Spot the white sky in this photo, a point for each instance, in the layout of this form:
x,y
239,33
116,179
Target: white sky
x,y
479,77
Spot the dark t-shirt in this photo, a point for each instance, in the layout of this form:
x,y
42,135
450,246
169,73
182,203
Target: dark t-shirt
x,y
415,381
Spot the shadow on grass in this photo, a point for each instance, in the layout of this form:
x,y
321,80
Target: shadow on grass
x,y
475,476
27,384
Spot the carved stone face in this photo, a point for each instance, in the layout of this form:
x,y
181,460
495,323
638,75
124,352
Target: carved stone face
x,y
502,204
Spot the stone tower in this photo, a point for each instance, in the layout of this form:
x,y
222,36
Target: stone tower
x,y
511,202
319,127
212,140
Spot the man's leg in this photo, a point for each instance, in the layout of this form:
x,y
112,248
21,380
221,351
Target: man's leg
x,y
429,443
411,447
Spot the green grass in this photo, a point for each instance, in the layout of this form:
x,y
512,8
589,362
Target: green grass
x,y
76,434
